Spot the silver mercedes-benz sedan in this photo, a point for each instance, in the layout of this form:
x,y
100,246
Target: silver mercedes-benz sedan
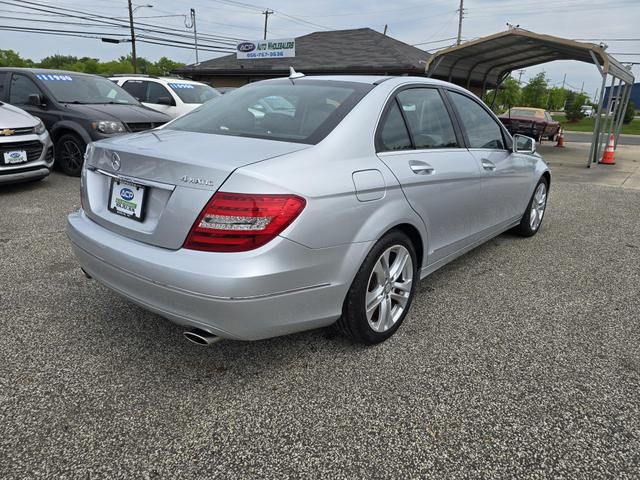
x,y
295,203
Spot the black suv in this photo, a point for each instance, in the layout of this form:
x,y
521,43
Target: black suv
x,y
76,108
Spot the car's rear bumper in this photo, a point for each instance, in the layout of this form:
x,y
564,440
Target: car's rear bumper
x,y
277,289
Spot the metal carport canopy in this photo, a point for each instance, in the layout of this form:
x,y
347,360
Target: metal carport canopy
x,y
484,62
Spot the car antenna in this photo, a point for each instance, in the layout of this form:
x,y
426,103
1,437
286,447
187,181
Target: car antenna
x,y
294,75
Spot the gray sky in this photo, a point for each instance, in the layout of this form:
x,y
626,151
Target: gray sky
x,y
411,21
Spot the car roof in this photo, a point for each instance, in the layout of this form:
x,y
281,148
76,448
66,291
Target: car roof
x,y
152,78
44,71
375,79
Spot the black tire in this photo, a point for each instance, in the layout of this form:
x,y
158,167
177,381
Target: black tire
x,y
552,138
70,154
526,228
354,323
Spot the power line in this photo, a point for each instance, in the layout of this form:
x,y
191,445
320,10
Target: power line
x,y
434,41
142,26
607,39
99,35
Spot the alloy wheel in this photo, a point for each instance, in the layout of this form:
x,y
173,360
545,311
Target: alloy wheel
x,y
71,155
538,205
389,288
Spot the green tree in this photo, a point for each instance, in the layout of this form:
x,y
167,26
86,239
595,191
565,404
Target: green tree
x,y
123,65
508,96
573,107
58,62
9,58
557,97
629,113
534,94
165,66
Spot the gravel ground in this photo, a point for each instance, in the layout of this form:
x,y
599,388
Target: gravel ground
x,y
519,360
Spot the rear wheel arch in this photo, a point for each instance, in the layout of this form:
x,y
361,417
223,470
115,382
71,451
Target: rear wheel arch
x,y
416,239
547,176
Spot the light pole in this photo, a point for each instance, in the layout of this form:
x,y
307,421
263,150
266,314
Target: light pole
x,y
133,33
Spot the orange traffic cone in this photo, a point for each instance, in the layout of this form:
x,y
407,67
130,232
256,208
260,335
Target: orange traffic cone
x,y
560,138
608,158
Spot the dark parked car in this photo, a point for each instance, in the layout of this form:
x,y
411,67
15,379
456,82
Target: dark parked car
x,y
532,122
76,108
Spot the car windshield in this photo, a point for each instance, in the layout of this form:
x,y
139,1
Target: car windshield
x,y
304,112
193,93
70,88
519,112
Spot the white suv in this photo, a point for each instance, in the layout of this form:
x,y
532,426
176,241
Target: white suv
x,y
173,96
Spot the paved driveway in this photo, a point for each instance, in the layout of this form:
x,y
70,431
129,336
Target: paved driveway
x,y
519,360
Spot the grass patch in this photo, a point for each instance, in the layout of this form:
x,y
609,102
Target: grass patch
x,y
587,124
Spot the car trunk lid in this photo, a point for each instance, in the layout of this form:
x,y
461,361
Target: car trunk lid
x,y
171,173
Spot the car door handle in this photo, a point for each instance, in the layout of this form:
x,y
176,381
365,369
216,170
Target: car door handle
x,y
421,168
488,165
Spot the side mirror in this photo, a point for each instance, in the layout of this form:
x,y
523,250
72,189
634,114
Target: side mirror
x,y
166,101
523,144
36,100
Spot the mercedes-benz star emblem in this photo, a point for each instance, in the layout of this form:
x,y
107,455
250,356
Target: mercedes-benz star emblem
x,y
115,161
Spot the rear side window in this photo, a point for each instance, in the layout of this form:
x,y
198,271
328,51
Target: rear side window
x,y
482,130
155,91
21,87
3,77
304,111
428,118
136,88
394,134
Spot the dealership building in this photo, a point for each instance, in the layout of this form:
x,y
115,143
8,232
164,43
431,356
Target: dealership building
x,y
361,51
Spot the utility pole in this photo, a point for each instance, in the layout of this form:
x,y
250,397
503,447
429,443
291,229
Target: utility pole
x,y
564,79
195,32
582,87
133,39
385,29
461,13
266,14
520,72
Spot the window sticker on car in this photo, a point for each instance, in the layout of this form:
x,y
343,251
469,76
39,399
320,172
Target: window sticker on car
x,y
50,77
180,85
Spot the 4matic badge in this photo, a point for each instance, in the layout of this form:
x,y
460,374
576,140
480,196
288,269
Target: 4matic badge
x,y
198,181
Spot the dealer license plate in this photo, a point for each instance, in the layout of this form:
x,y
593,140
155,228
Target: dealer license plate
x,y
127,199
16,156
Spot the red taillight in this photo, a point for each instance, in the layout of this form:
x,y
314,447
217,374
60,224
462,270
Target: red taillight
x,y
236,222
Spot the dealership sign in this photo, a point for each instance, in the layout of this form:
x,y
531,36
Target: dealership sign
x,y
267,49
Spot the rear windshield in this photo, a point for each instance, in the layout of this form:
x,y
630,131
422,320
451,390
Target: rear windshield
x,y
86,89
303,112
192,92
518,112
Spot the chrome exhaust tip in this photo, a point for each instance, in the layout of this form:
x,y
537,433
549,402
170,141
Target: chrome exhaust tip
x,y
201,337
